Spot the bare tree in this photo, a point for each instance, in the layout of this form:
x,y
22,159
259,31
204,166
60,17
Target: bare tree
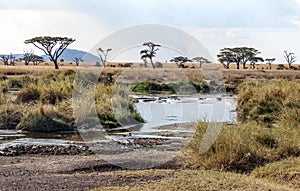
x,y
269,62
290,58
12,59
51,46
4,59
27,56
77,60
103,55
150,51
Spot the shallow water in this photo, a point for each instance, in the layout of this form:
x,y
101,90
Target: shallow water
x,y
157,111
184,109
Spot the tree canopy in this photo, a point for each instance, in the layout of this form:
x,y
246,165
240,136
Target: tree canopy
x,y
150,51
180,61
201,60
270,61
238,55
51,46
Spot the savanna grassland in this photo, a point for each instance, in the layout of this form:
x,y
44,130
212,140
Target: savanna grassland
x,y
260,152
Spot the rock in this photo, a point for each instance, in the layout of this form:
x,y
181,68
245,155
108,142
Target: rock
x,y
70,149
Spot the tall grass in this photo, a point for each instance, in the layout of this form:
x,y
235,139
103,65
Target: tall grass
x,y
43,119
264,101
243,147
55,91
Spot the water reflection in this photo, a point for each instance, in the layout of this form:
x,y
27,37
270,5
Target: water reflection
x,y
160,111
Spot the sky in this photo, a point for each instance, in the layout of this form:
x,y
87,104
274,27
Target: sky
x,y
271,26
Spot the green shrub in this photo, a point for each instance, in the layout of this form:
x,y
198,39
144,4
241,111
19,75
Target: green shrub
x,y
147,86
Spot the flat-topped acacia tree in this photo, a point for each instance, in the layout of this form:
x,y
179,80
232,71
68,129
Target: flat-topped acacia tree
x,y
51,46
180,61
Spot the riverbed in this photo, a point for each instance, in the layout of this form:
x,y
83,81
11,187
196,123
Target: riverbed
x,y
170,125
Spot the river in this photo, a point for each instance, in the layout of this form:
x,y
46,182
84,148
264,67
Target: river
x,y
157,111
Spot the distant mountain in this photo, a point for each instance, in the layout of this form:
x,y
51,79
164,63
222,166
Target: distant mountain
x,y
69,55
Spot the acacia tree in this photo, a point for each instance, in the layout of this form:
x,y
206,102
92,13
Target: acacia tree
x,y
269,62
29,56
53,47
36,60
290,58
180,61
254,60
239,55
4,59
201,60
150,51
226,58
103,55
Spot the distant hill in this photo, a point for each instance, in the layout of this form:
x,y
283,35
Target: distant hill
x,y
69,55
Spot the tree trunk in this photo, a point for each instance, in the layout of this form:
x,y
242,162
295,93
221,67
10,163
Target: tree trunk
x,y
270,66
238,66
244,66
152,63
56,64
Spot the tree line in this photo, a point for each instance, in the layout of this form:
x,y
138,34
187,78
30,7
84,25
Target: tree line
x,y
53,47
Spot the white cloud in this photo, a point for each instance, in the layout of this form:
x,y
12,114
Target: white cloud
x,y
24,24
271,42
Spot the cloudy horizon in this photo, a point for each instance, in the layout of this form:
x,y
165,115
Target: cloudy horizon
x,y
271,26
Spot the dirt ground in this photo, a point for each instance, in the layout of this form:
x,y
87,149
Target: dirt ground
x,y
42,172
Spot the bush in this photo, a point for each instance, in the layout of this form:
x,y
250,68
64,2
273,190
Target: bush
x,y
43,119
20,82
147,86
158,65
236,149
265,102
174,87
3,77
244,147
28,94
281,67
10,117
120,110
